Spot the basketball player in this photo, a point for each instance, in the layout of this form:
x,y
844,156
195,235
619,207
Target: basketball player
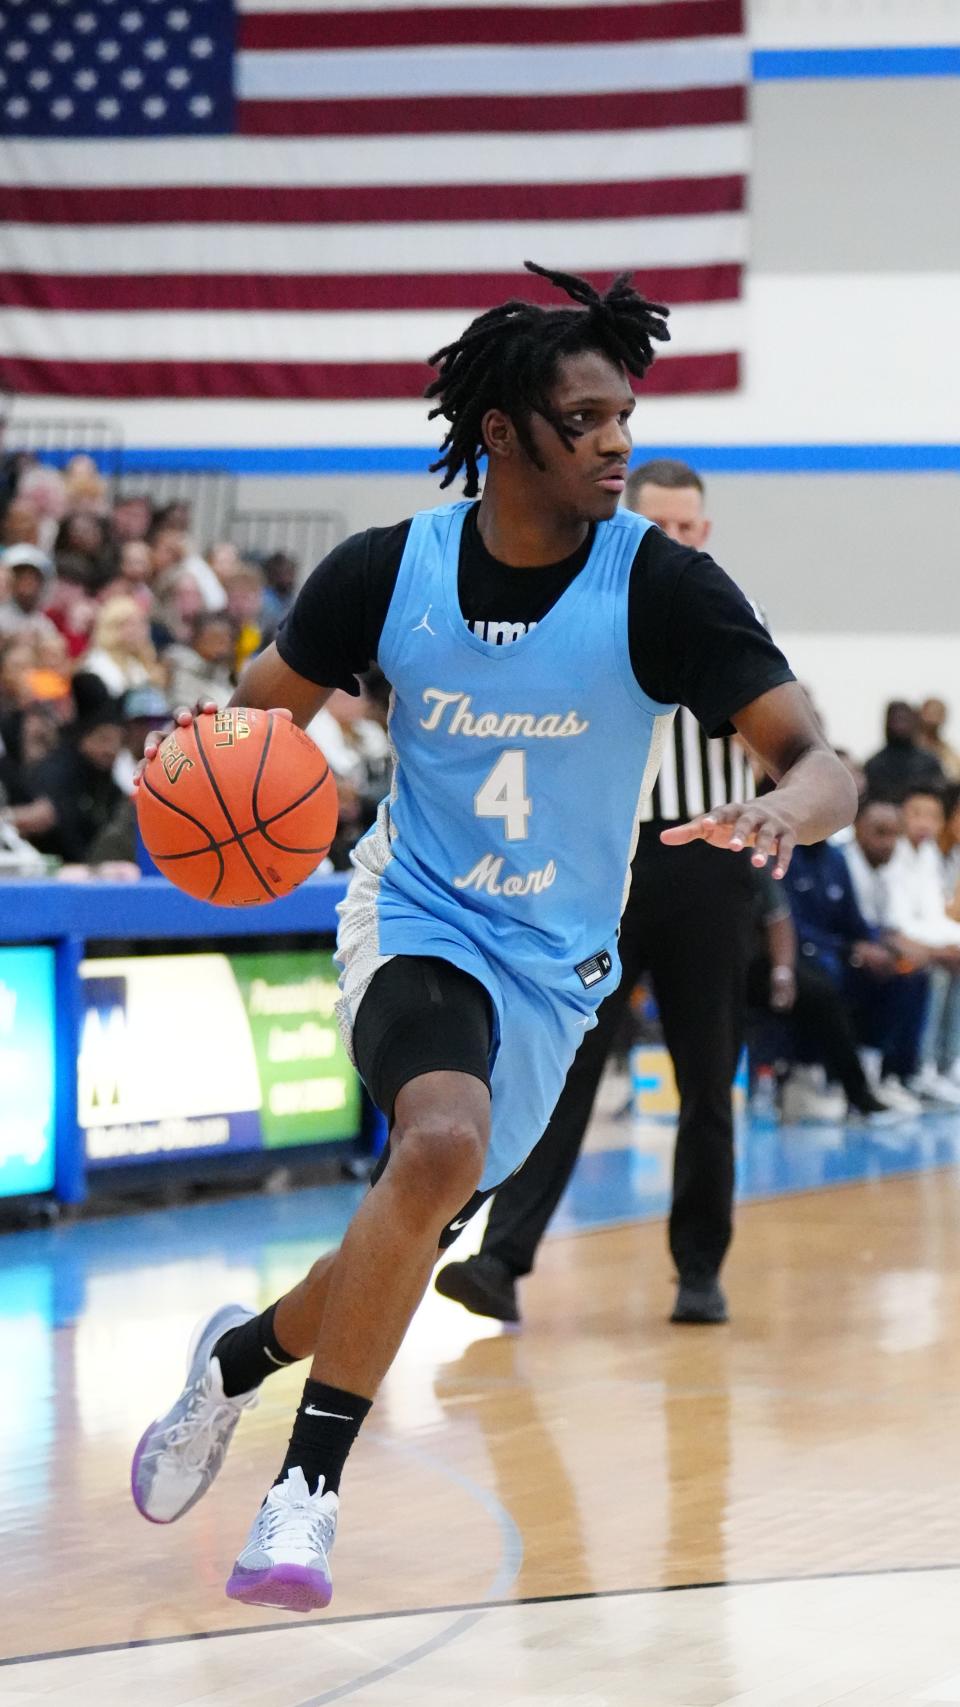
x,y
688,921
537,643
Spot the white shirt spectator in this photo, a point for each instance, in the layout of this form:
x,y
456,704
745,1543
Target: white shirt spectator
x,y
17,624
191,679
349,759
873,886
115,675
917,894
211,589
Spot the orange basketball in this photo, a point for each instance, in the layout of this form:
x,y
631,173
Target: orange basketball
x,y
238,808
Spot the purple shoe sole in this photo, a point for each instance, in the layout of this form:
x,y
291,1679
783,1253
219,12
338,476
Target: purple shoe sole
x,y
293,1588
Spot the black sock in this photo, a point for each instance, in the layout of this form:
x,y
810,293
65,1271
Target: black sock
x,y
249,1353
327,1425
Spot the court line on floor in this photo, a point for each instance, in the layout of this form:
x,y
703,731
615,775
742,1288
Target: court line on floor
x,y
482,1606
508,1569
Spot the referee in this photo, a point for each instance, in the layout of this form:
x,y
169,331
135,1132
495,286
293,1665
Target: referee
x,y
688,924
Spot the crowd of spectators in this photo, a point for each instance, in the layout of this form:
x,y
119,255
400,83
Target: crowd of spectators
x,y
863,1015
110,616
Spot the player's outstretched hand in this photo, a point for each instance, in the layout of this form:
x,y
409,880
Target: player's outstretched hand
x,y
182,719
762,825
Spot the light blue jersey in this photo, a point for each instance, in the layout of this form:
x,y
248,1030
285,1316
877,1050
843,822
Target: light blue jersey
x,y
505,844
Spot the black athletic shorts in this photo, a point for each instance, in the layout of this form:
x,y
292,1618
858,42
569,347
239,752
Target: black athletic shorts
x,y
422,1015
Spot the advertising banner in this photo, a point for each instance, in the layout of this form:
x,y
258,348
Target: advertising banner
x,y
27,1056
185,1054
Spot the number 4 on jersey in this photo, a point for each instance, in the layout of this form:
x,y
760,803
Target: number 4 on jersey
x,y
504,795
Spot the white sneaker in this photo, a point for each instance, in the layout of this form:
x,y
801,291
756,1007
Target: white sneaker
x,y
181,1453
934,1089
285,1562
896,1095
877,1118
805,1096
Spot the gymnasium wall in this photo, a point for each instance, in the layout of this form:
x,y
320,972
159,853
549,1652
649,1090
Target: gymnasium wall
x,y
834,473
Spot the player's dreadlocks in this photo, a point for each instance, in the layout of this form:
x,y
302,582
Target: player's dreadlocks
x,y
507,359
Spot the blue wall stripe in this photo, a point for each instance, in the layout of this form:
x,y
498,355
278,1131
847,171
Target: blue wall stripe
x,y
405,459
773,64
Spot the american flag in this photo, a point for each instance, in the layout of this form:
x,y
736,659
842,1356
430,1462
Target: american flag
x,y
279,199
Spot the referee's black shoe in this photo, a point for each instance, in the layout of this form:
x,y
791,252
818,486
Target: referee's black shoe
x,y
700,1298
481,1284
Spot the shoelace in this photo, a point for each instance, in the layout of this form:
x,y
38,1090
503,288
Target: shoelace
x,y
298,1524
199,1430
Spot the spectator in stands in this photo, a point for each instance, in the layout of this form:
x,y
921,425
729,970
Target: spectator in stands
x,y
46,490
17,664
30,573
70,606
143,709
178,602
77,783
933,716
21,523
174,555
43,486
917,872
870,859
835,937
902,763
136,566
244,590
30,735
86,490
223,558
356,748
121,651
204,669
349,734
280,573
176,514
920,902
132,515
26,738
50,651
168,551
89,536
814,1014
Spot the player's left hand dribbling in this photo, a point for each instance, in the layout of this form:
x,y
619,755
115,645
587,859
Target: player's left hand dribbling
x,y
762,825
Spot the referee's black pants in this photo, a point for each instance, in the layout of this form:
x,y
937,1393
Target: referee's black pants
x,y
688,923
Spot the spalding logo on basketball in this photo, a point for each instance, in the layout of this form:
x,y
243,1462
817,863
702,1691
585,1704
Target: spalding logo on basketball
x,y
238,808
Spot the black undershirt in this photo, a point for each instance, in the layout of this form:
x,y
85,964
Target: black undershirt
x,y
694,638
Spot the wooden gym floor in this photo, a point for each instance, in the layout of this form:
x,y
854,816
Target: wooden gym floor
x,y
601,1509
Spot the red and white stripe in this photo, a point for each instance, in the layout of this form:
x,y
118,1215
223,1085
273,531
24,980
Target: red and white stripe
x,y
394,167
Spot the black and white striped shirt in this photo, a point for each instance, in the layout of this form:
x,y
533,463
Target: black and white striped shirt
x,y
697,773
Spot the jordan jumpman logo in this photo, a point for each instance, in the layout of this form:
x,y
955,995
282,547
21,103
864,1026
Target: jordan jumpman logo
x,y
424,622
